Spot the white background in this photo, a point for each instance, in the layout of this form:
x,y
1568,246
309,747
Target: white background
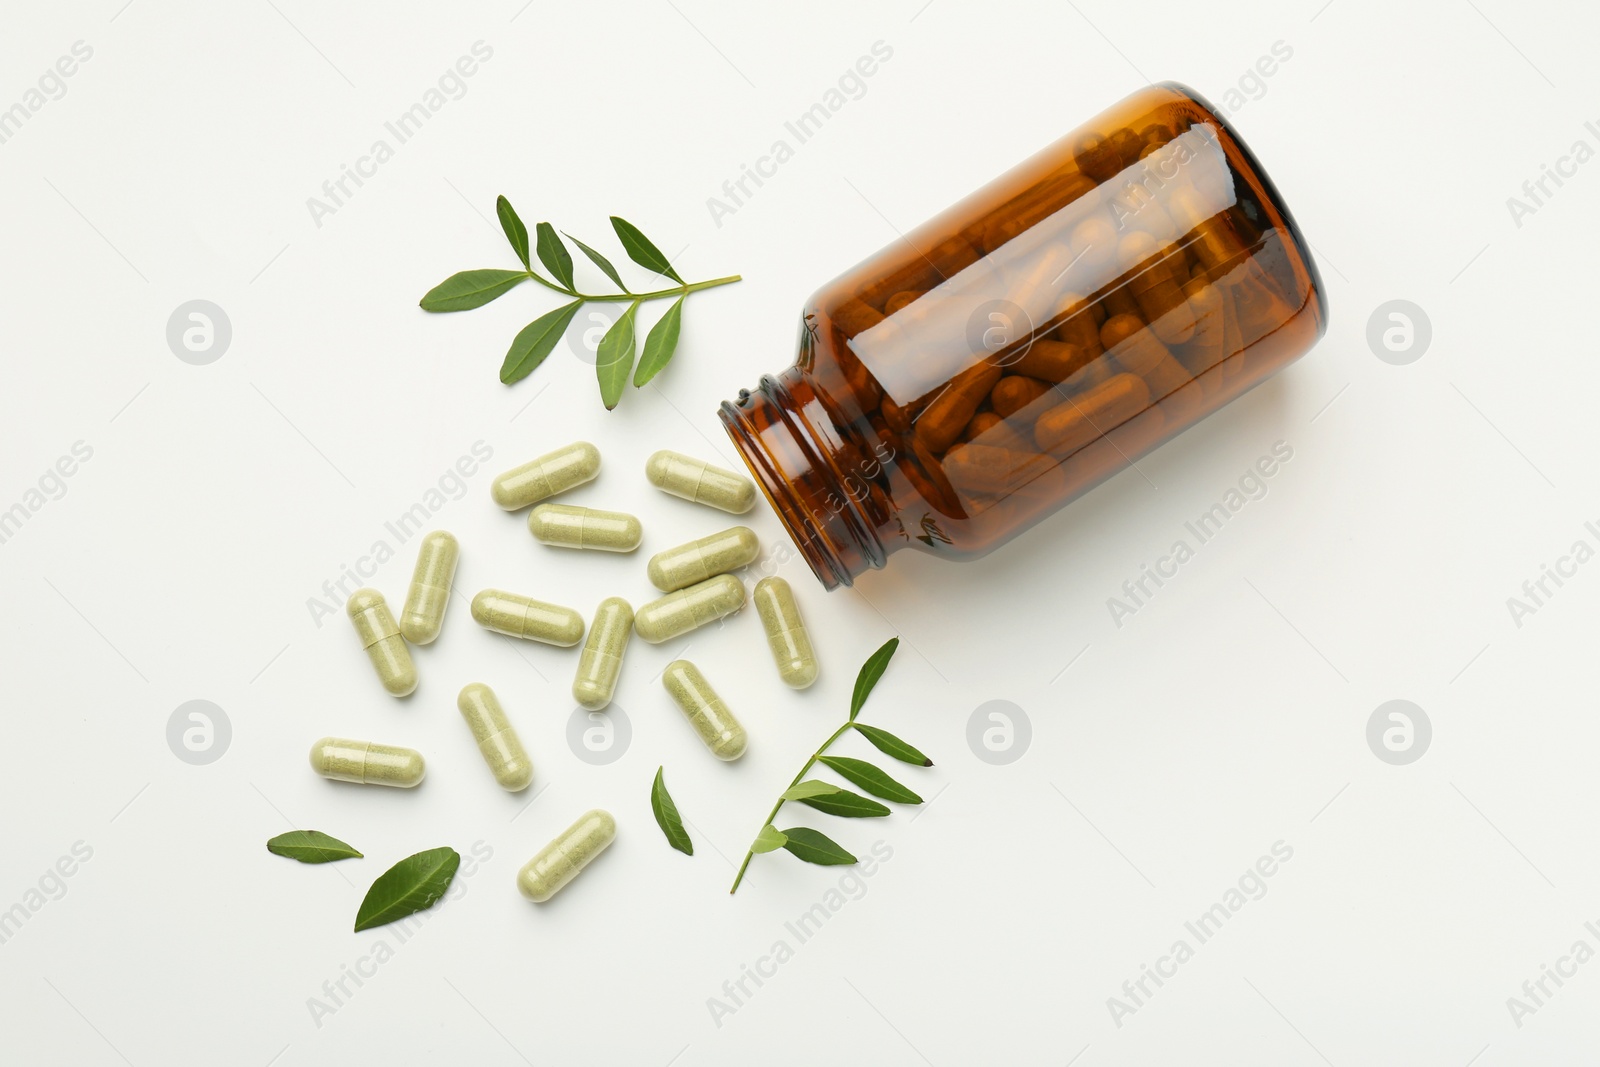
x,y
1229,714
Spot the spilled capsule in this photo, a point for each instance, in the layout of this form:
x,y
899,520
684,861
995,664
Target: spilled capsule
x,y
786,632
501,748
552,473
706,711
380,636
678,613
699,482
429,595
601,660
529,619
560,861
719,553
366,763
565,526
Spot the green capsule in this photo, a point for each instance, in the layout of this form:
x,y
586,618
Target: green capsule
x,y
705,710
429,594
730,549
365,763
565,526
529,619
786,632
552,473
678,613
697,481
560,861
601,660
380,636
502,750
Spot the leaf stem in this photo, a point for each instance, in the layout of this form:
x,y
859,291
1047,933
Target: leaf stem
x,y
773,814
659,294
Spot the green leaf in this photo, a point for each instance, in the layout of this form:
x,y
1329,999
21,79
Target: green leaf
x,y
811,787
600,261
471,289
660,344
412,885
641,251
554,255
311,846
815,847
846,805
534,342
768,840
614,359
516,232
667,817
871,671
890,745
868,777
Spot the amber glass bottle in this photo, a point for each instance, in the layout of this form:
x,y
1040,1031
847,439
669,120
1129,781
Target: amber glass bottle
x,y
1032,340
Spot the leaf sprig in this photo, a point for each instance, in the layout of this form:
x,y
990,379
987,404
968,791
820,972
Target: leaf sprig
x,y
813,846
474,288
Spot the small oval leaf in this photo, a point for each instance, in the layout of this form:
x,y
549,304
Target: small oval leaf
x,y
412,885
471,289
768,839
868,777
846,805
554,255
871,671
890,745
813,846
641,250
660,344
515,231
667,817
614,358
534,342
598,260
811,787
311,846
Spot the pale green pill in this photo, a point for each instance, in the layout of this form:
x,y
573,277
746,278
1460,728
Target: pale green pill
x,y
429,594
686,565
560,861
529,619
705,710
380,636
601,660
565,526
502,750
552,473
365,763
697,481
678,613
786,632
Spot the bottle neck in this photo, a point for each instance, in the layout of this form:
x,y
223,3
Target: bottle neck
x,y
793,445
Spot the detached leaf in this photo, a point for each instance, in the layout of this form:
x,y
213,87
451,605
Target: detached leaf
x,y
554,255
641,251
615,357
534,342
815,847
890,745
868,777
846,805
311,846
412,885
768,840
598,260
660,344
471,289
811,787
667,817
871,671
516,232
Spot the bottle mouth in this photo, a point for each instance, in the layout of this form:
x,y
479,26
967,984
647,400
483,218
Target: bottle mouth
x,y
792,468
